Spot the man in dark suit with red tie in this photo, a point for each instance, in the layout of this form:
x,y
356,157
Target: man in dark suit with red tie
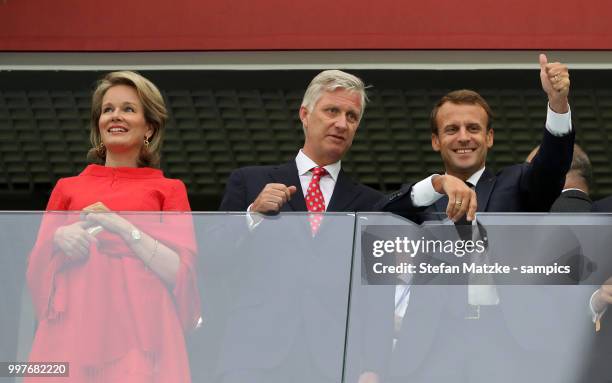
x,y
330,113
294,320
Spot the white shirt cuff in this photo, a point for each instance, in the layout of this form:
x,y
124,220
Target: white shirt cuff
x,y
594,314
402,297
558,124
423,193
253,219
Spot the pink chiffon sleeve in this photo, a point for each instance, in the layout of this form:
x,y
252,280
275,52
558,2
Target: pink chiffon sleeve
x,y
185,291
45,261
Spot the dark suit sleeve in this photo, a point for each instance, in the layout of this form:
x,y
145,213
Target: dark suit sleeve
x,y
572,201
543,179
235,196
400,203
372,200
397,201
603,205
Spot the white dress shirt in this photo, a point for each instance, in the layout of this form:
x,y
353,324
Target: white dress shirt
x,y
304,165
326,183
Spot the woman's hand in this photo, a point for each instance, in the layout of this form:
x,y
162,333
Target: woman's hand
x,y
110,221
96,207
74,240
155,255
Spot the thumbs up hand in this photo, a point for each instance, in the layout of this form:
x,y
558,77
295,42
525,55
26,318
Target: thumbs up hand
x,y
556,83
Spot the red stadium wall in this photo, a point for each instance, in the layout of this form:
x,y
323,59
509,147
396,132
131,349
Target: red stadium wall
x,y
194,25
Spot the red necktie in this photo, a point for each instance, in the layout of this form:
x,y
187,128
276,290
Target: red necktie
x,y
314,199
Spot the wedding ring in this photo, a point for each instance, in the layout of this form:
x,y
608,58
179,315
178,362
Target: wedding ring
x,y
94,230
458,203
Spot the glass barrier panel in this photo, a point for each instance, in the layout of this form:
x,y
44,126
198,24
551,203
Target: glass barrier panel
x,y
503,299
231,297
174,297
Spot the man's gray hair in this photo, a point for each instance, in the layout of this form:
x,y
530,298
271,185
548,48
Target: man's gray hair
x,y
329,81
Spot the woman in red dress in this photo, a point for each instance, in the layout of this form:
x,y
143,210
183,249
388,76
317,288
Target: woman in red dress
x,y
115,292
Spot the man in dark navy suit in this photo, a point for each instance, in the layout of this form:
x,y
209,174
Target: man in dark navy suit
x,y
461,132
446,336
295,316
330,113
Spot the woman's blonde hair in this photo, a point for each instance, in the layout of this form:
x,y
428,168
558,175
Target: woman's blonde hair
x,y
155,114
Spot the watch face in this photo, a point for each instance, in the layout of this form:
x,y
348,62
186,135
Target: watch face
x,y
136,234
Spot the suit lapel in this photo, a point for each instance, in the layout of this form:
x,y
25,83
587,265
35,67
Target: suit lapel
x,y
484,188
344,193
287,174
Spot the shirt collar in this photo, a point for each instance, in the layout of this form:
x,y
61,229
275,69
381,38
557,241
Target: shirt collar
x,y
577,189
474,178
304,164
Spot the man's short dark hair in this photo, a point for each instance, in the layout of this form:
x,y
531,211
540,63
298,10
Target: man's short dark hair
x,y
461,96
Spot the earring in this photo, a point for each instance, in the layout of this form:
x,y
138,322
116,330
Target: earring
x,y
146,142
100,149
